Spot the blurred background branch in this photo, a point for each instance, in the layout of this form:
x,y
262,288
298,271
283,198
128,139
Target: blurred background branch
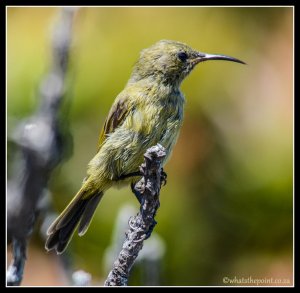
x,y
141,226
41,143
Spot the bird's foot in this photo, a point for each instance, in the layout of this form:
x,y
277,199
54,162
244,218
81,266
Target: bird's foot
x,y
163,178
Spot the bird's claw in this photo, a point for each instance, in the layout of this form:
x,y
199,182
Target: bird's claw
x,y
163,178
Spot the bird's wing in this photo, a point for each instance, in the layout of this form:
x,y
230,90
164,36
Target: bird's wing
x,y
115,118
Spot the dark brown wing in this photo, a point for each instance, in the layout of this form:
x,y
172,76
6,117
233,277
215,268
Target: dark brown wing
x,y
115,118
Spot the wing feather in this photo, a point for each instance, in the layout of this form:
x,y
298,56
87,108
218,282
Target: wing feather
x,y
115,118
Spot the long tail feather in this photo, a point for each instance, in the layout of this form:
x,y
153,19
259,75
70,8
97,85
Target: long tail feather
x,y
88,214
80,211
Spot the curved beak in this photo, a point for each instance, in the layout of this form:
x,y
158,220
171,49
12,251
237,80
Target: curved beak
x,y
204,57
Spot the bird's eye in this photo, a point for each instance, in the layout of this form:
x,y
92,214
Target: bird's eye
x,y
182,56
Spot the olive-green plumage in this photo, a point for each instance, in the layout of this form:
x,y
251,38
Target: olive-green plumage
x,y
148,111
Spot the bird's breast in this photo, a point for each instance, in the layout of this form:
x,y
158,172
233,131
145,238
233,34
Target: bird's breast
x,y
165,120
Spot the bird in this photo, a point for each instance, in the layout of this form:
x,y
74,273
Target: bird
x,y
148,111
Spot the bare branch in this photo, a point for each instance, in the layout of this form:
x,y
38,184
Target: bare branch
x,y
141,226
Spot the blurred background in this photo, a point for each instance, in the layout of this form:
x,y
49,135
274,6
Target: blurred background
x,y
227,209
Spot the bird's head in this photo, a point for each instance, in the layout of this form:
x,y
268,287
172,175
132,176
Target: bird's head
x,y
171,61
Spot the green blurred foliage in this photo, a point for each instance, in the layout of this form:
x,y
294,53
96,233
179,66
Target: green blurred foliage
x,y
228,204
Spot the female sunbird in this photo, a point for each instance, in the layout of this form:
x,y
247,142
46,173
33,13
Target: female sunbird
x,y
148,111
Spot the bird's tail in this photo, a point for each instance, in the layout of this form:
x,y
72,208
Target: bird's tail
x,y
79,213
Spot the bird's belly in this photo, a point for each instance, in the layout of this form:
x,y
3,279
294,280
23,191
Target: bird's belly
x,y
124,153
